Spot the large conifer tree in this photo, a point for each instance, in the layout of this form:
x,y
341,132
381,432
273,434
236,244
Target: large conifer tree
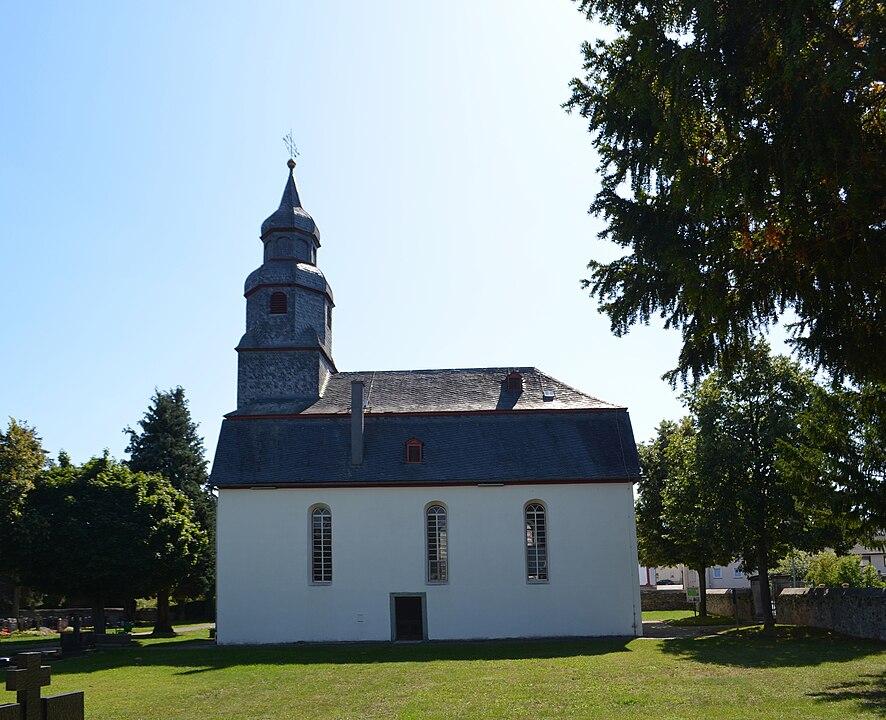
x,y
742,149
169,444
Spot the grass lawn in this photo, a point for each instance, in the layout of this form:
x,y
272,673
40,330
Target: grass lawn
x,y
797,674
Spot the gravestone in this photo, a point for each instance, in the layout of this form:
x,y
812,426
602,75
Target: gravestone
x,y
77,641
25,680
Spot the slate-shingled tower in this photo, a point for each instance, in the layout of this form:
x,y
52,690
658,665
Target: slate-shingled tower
x,y
285,356
414,504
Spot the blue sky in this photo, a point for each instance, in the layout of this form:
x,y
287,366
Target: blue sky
x,y
141,150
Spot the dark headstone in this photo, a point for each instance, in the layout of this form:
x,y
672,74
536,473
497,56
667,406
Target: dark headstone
x,y
67,706
10,712
26,680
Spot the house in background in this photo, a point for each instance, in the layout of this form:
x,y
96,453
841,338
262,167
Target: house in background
x,y
726,576
872,556
409,505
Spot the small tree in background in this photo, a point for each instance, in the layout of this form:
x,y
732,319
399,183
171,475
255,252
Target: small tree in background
x,y
104,532
678,521
22,459
843,442
749,430
169,444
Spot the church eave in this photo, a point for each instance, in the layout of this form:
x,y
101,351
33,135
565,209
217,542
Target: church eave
x,y
429,483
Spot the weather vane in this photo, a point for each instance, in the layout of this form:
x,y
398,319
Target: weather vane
x,y
290,145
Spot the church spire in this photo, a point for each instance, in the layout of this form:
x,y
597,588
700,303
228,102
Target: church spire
x,y
290,216
285,356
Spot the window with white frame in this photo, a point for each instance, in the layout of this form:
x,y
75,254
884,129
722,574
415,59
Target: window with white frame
x,y
738,573
437,545
717,573
536,543
321,545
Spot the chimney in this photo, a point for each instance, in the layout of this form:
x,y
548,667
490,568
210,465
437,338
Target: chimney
x,y
356,422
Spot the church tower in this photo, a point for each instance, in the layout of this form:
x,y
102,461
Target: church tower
x,y
285,356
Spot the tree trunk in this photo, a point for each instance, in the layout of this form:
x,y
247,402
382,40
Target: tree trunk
x,y
98,617
702,593
17,603
163,625
765,594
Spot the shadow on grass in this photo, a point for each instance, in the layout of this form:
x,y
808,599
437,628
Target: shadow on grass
x,y
199,656
11,647
785,647
868,692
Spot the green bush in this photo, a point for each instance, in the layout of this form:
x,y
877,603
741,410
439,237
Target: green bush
x,y
832,571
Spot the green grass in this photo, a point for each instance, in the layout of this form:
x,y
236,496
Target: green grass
x,y
734,674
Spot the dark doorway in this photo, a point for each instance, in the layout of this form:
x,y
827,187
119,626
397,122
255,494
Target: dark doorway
x,y
409,617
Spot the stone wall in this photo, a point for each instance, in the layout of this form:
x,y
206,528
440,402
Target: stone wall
x,y
720,603
664,599
860,612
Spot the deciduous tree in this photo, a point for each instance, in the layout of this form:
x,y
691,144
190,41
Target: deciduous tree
x,y
105,532
742,149
748,435
678,517
22,459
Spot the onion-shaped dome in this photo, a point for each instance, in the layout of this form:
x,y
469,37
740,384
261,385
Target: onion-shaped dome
x,y
291,215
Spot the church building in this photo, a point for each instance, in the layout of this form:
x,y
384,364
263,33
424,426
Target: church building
x,y
409,505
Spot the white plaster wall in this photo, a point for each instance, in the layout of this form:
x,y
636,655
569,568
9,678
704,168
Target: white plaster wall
x,y
265,594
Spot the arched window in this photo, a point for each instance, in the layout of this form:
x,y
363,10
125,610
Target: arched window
x,y
414,454
278,303
536,543
438,546
321,545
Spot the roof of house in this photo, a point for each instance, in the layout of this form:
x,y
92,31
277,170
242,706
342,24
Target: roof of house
x,y
472,429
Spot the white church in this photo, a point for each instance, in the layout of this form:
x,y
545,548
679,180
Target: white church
x,y
409,505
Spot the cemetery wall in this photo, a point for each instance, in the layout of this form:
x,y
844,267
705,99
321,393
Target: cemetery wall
x,y
720,603
664,599
860,612
265,593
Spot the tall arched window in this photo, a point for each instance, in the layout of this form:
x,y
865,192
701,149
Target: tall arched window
x,y
321,545
278,303
438,546
536,543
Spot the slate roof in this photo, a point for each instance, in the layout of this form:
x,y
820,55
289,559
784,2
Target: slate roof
x,y
291,215
450,390
472,448
472,428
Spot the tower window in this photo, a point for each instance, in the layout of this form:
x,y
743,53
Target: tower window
x,y
414,452
278,303
328,315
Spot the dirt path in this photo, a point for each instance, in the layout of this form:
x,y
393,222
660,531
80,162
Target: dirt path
x,y
658,629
